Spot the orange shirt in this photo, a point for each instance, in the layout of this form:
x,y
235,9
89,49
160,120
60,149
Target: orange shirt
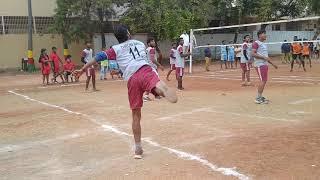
x,y
296,48
305,50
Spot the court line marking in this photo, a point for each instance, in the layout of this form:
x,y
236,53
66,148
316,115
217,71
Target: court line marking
x,y
178,153
238,79
212,110
273,77
303,101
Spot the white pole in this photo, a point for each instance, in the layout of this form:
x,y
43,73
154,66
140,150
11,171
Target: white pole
x,y
260,23
3,29
191,49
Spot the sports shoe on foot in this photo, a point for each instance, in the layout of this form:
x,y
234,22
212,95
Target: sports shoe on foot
x,y
243,83
138,153
146,98
258,100
265,100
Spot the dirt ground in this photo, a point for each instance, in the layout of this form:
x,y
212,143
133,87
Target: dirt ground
x,y
215,131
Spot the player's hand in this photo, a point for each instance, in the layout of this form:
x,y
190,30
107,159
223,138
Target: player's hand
x,y
78,73
162,68
275,66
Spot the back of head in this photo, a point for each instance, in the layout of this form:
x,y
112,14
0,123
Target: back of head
x,y
122,33
261,32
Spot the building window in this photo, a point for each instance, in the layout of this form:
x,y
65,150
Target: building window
x,y
315,26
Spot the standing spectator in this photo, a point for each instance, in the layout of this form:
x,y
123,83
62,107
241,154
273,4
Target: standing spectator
x,y
207,57
56,60
286,50
238,50
87,55
45,66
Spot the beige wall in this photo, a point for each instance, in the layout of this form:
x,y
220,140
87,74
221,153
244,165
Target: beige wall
x,y
20,7
13,47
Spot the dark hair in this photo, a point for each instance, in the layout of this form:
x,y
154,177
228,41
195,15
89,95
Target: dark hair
x,y
246,36
173,44
121,33
68,56
54,48
261,32
43,50
150,39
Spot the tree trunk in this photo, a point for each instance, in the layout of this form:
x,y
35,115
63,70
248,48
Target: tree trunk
x,y
101,25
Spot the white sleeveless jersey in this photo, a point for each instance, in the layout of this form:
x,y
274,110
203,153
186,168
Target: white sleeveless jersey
x,y
179,59
262,51
88,55
148,51
131,56
174,53
245,46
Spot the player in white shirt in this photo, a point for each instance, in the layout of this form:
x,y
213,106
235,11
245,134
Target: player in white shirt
x,y
173,53
153,62
186,41
87,55
132,59
245,62
238,54
180,62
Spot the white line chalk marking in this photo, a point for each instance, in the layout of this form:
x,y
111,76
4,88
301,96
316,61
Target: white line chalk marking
x,y
178,153
238,79
211,110
302,101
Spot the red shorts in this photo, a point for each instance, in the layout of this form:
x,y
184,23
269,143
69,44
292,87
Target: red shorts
x,y
56,68
245,66
172,67
90,72
144,80
263,73
46,70
179,71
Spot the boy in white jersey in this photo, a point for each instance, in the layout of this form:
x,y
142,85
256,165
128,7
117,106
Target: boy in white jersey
x,y
245,61
132,59
152,60
261,60
180,57
172,59
87,55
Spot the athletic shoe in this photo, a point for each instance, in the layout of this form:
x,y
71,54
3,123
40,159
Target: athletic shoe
x,y
258,100
146,98
265,100
138,153
243,83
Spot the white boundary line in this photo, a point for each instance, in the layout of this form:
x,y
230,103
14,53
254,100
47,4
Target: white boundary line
x,y
238,79
303,101
178,153
212,110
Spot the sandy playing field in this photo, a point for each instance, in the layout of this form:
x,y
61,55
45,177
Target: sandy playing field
x,y
215,131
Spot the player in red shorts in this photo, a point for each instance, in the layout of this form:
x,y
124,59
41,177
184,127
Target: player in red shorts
x,y
261,60
245,61
173,53
87,55
132,59
180,57
45,66
56,65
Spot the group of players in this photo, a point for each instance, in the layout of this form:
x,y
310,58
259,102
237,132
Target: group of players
x,y
54,63
299,52
139,67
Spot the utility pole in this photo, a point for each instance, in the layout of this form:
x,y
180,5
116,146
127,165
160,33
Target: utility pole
x,y
31,66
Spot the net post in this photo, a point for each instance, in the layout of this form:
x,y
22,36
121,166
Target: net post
x,y
191,49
